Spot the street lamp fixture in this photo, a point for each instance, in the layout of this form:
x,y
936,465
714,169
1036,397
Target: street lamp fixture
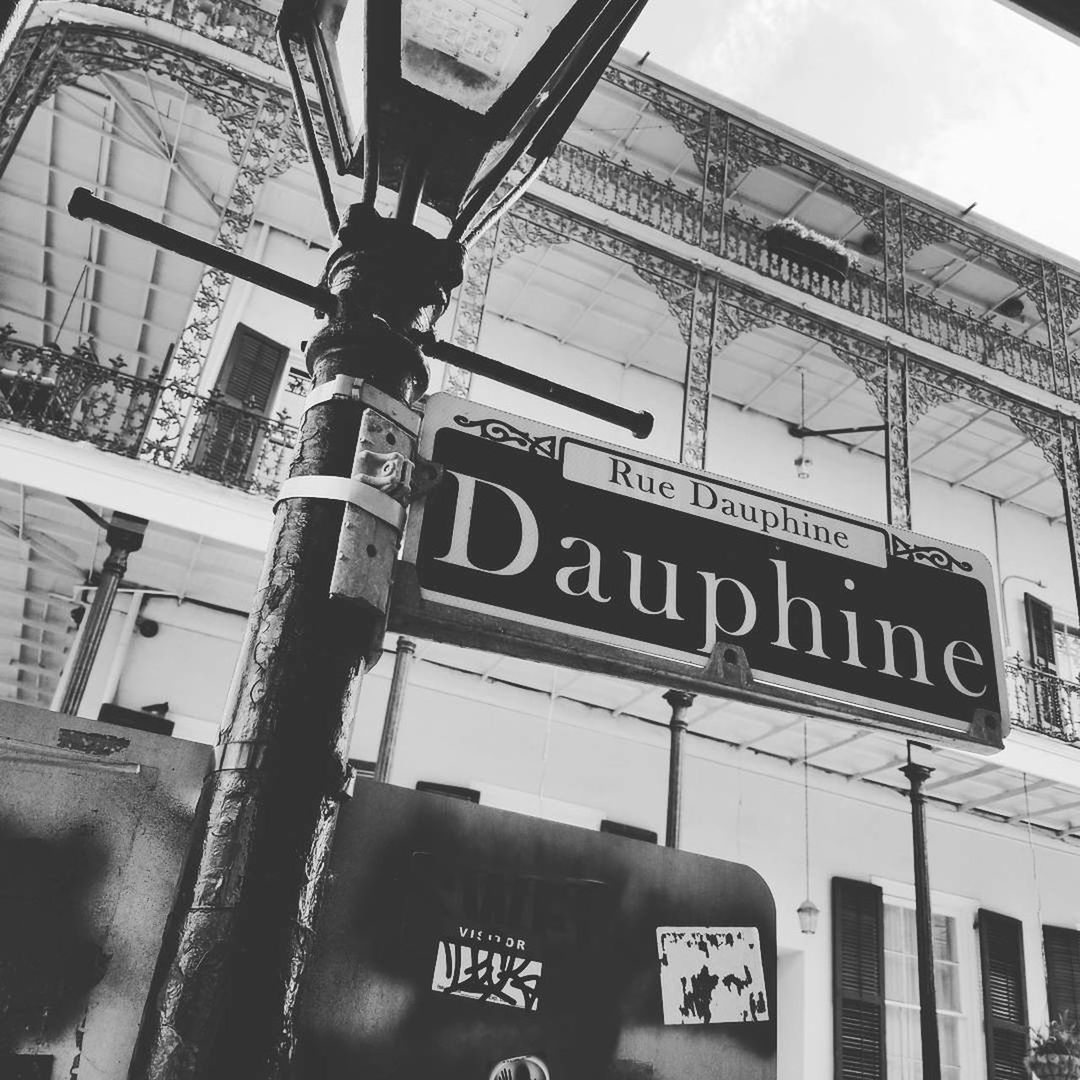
x,y
441,100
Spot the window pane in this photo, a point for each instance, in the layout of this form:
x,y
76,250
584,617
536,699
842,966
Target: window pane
x,y
903,1039
947,987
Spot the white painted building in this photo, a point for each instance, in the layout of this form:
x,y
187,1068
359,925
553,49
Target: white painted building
x,y
639,269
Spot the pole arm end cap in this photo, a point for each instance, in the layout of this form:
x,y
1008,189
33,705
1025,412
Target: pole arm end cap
x,y
80,202
642,425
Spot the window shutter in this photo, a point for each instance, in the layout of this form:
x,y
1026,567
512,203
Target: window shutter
x,y
858,981
451,791
1001,946
1062,949
251,369
634,832
1040,621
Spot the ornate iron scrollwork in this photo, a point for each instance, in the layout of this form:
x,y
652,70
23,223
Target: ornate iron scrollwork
x,y
500,431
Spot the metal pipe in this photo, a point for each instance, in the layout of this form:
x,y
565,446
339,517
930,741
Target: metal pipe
x,y
640,424
680,701
123,647
125,535
307,126
399,683
83,204
917,774
805,432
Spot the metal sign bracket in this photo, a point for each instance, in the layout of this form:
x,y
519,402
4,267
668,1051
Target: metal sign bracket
x,y
728,666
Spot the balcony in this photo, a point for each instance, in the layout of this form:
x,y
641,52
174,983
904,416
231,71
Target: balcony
x,y
1039,701
75,396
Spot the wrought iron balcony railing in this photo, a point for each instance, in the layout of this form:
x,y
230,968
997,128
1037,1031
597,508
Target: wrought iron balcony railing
x,y
74,396
1040,701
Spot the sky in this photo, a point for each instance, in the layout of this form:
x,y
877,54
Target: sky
x,y
965,98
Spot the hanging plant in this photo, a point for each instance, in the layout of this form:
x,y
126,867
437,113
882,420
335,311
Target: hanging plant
x,y
1055,1054
792,240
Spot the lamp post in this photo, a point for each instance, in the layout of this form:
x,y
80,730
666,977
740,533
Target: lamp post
x,y
441,100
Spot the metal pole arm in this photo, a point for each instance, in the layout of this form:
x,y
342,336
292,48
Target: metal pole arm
x,y
83,204
640,424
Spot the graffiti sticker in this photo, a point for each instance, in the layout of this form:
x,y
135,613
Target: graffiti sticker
x,y
486,972
711,974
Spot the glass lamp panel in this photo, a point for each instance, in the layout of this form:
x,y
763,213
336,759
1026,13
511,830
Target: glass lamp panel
x,y
471,51
340,25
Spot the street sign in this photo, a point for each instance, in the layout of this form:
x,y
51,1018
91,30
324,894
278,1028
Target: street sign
x,y
458,941
543,544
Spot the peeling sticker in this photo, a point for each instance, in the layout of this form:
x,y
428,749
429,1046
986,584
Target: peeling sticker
x,y
711,974
88,742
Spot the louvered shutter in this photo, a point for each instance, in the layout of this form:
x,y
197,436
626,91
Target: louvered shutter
x,y
858,981
1062,950
1040,621
231,433
251,368
1045,689
1001,945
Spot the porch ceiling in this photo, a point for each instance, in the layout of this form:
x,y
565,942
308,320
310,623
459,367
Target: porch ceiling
x,y
48,549
994,788
574,294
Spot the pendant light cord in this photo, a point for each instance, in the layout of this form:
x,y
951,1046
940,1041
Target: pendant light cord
x,y
806,806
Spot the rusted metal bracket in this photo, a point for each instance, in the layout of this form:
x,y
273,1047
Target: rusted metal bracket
x,y
346,388
425,477
986,726
728,665
356,491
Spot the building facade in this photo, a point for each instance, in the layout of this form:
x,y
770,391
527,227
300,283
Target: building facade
x,y
654,264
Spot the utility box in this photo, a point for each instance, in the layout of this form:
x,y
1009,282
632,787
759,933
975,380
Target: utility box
x,y
94,824
463,942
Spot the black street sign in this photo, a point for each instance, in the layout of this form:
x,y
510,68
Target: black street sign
x,y
543,544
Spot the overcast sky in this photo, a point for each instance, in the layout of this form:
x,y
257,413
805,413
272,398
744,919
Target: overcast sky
x,y
963,97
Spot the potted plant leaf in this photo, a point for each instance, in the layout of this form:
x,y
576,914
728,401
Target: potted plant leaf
x,y
821,254
1055,1053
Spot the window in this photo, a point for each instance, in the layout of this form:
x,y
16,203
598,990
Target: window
x,y
902,1036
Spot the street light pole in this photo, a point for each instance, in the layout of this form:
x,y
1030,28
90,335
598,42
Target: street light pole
x,y
680,701
918,772
222,998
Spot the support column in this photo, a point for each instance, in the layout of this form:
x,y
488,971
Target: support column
x,y
399,684
699,354
1054,311
260,156
26,79
918,773
124,536
1069,474
714,183
893,241
897,452
680,701
469,316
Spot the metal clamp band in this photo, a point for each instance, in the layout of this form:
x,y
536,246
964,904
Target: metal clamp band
x,y
345,489
346,388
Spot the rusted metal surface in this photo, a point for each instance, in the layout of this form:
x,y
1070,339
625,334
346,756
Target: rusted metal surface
x,y
228,975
